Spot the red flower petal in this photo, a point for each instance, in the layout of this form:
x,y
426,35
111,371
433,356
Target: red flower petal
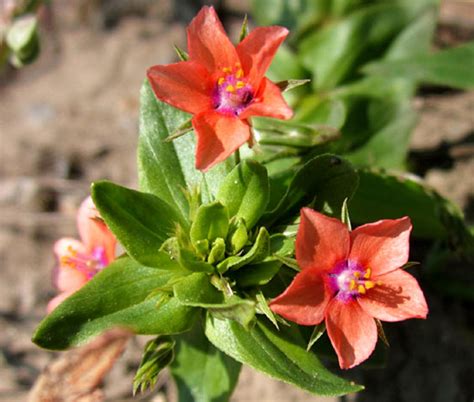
x,y
353,333
185,85
93,231
398,298
208,43
321,241
257,50
270,103
305,300
382,246
218,136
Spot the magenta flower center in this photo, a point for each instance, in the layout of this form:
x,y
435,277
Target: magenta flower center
x,y
349,280
89,264
232,93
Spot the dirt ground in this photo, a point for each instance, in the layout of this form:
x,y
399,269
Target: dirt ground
x,y
72,118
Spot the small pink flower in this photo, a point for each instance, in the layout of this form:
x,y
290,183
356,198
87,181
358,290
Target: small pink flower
x,y
79,261
350,278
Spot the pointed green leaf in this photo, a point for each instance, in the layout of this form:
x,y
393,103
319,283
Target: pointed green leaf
x,y
257,274
326,179
280,354
121,295
140,221
211,222
452,67
157,355
258,252
196,290
245,192
202,372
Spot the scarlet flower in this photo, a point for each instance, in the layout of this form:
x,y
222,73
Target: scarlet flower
x,y
350,278
222,85
79,261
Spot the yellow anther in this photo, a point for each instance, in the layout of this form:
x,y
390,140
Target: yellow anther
x,y
240,84
227,70
361,289
378,283
369,284
230,88
367,274
352,284
240,73
356,274
220,81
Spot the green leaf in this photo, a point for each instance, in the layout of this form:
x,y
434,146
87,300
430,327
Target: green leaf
x,y
257,274
292,134
318,331
388,147
23,39
280,354
334,52
282,245
140,221
238,236
202,372
122,295
245,192
258,252
196,290
327,179
452,67
190,261
157,355
264,308
236,309
211,222
382,196
166,169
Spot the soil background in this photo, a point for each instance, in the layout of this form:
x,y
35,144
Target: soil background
x,y
72,118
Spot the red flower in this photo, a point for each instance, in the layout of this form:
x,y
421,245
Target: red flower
x,y
78,260
222,85
350,278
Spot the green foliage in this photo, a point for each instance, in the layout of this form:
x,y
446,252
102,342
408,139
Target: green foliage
x,y
326,179
202,372
141,222
452,67
166,169
245,192
211,222
381,196
126,295
280,354
157,355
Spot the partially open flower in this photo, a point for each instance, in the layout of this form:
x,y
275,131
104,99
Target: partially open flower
x,y
80,260
349,279
222,85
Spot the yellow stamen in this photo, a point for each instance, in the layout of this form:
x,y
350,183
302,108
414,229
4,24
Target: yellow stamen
x,y
220,81
240,84
356,274
369,284
361,289
240,73
227,70
352,284
367,274
230,88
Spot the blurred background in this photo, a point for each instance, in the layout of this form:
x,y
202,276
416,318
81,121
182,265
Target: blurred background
x,y
71,117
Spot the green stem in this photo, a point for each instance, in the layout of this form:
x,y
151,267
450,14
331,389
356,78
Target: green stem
x,y
237,156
